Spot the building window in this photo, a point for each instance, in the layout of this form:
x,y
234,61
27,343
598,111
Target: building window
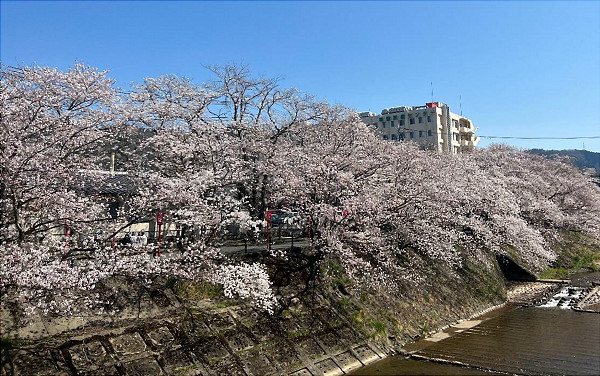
x,y
380,119
395,117
387,118
402,135
412,120
412,134
421,133
402,122
385,137
394,137
430,133
392,124
402,116
420,119
429,119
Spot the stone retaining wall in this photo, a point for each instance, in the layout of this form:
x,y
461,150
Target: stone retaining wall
x,y
234,340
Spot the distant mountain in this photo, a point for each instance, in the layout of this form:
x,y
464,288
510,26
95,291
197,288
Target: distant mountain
x,y
581,158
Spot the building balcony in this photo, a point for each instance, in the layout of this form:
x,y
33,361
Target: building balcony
x,y
467,130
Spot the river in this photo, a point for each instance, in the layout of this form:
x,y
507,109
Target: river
x,y
551,339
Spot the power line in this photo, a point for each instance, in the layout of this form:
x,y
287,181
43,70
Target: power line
x,y
543,138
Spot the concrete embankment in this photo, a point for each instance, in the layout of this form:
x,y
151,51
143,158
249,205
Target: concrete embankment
x,y
335,328
172,337
196,339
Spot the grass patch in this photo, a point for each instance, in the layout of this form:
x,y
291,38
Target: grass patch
x,y
379,327
344,303
226,303
555,273
334,267
576,252
299,333
197,291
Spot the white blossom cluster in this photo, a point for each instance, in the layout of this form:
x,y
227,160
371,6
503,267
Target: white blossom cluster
x,y
247,281
216,157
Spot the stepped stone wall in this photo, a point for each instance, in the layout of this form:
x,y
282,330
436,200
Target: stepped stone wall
x,y
338,327
172,339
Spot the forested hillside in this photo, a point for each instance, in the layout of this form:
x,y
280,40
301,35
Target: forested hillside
x,y
581,158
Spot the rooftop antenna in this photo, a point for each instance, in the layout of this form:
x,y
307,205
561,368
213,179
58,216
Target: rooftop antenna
x,y
460,101
432,91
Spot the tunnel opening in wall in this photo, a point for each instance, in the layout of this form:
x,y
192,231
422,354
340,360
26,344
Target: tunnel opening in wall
x,y
513,271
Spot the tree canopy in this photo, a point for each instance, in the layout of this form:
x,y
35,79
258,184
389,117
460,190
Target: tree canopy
x,y
222,153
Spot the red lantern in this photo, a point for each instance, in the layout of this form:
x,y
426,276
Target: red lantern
x,y
268,216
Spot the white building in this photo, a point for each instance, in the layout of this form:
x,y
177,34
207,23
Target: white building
x,y
431,125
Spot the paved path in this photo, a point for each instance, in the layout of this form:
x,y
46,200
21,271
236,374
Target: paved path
x,y
260,248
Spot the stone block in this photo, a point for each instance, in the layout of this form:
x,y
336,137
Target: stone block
x,y
328,367
196,328
347,361
257,363
329,317
365,354
211,350
250,317
309,348
89,356
161,337
143,367
263,332
302,372
39,363
128,345
175,361
348,334
282,355
227,366
221,321
106,371
33,330
239,341
332,342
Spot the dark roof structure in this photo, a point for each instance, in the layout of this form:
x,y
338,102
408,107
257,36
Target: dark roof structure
x,y
108,183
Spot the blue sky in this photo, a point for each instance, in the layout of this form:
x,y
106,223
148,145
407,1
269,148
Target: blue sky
x,y
523,69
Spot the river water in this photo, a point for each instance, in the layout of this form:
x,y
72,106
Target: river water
x,y
546,340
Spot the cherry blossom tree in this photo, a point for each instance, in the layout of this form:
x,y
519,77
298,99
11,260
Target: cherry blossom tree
x,y
218,155
52,126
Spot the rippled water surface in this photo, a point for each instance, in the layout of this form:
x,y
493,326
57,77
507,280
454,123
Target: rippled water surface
x,y
404,366
531,341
